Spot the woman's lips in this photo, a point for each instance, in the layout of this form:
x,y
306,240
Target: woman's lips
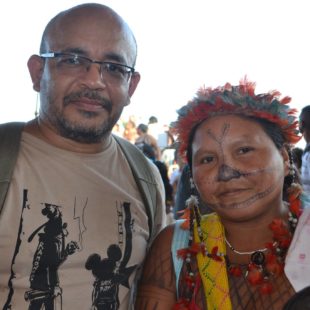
x,y
231,192
236,198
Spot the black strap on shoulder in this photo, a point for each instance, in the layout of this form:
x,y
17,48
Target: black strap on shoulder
x,y
10,135
144,177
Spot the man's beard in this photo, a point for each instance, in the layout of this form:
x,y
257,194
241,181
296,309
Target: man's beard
x,y
75,130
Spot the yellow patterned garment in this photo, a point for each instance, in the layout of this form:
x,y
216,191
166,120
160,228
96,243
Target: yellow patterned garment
x,y
213,273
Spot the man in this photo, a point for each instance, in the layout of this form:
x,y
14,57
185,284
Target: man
x,y
74,227
304,127
145,138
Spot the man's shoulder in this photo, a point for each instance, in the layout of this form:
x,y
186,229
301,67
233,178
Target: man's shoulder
x,y
8,126
10,136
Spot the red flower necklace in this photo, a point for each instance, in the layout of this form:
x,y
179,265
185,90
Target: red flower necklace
x,y
264,263
269,262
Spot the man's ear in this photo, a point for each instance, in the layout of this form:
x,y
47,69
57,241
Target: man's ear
x,y
286,160
134,81
35,67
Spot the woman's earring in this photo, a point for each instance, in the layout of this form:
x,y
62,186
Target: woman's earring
x,y
192,202
291,165
192,185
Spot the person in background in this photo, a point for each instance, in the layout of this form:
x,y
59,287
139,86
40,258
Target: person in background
x,y
148,151
297,153
304,128
154,127
176,170
74,225
118,129
168,190
145,138
237,145
130,131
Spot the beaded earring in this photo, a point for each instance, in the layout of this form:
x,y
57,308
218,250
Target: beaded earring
x,y
294,190
191,278
292,172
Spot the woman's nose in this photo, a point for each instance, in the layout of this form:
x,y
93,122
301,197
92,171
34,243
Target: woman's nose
x,y
227,173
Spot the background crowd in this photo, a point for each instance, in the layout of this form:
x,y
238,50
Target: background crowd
x,y
157,142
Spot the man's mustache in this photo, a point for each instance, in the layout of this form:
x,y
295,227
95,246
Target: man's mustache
x,y
92,95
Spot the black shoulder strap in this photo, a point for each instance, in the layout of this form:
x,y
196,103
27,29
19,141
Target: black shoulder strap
x,y
10,134
144,178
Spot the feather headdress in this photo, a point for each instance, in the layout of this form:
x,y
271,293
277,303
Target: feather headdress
x,y
240,99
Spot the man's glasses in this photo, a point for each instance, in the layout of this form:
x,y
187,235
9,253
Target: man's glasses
x,y
110,72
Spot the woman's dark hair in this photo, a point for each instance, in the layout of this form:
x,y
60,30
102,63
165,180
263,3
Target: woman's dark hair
x,y
164,175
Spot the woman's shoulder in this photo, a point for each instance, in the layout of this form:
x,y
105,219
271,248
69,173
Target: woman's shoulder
x,y
164,237
168,237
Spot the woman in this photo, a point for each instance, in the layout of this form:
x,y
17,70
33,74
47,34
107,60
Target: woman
x,y
237,145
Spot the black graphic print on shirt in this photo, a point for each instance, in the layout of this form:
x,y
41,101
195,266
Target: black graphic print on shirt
x,y
50,254
25,205
52,246
110,272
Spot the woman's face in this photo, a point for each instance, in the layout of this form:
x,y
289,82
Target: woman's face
x,y
237,168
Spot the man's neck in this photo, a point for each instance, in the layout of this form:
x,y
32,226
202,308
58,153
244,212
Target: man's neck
x,y
43,132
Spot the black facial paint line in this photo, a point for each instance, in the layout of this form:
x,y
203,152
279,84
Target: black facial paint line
x,y
51,252
248,202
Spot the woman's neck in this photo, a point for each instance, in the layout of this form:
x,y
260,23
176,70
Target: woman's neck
x,y
250,235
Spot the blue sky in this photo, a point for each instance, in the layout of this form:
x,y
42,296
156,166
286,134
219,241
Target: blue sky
x,y
182,45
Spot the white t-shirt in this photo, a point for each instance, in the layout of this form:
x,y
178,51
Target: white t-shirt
x,y
305,172
73,226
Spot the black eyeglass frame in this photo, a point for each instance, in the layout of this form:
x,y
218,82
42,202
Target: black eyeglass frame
x,y
130,70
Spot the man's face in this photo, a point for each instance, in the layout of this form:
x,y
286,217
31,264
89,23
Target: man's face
x,y
237,168
84,106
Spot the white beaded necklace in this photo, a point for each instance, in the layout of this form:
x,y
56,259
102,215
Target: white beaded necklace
x,y
246,252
